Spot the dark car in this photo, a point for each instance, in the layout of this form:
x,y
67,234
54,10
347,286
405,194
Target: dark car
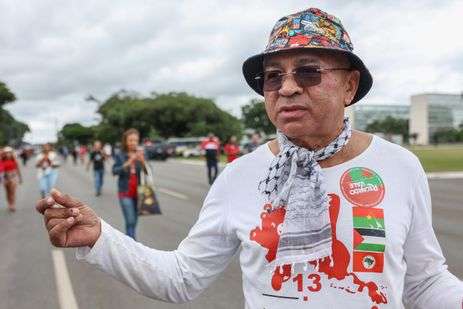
x,y
158,151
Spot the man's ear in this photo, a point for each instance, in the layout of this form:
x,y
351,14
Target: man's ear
x,y
352,84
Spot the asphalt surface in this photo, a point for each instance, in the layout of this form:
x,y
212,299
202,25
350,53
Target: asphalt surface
x,y
26,264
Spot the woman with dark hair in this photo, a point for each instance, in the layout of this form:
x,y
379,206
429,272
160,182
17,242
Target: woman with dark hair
x,y
12,176
128,165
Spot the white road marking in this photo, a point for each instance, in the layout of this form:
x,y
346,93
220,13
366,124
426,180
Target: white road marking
x,y
173,193
189,162
66,297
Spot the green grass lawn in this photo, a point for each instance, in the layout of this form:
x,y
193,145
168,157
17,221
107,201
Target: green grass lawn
x,y
440,159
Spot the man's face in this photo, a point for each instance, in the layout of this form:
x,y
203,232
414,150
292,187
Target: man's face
x,y
314,111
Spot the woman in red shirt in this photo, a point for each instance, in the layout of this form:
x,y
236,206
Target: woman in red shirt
x,y
232,149
128,165
12,176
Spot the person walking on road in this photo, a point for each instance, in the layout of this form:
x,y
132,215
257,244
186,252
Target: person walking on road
x,y
323,216
47,164
232,149
254,143
24,155
128,165
75,154
2,169
82,153
97,159
211,148
11,176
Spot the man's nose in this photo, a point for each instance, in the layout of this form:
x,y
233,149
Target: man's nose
x,y
289,86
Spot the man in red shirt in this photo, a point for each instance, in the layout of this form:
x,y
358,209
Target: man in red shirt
x,y
232,149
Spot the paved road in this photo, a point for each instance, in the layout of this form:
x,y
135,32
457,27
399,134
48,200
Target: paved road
x,y
26,264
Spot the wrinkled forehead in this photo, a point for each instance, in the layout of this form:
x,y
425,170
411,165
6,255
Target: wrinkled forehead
x,y
296,58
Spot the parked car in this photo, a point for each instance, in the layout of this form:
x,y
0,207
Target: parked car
x,y
158,151
186,146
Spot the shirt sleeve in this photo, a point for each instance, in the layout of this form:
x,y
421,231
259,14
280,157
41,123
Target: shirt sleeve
x,y
118,168
173,276
428,283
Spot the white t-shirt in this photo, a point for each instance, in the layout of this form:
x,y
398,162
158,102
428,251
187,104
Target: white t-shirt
x,y
384,247
48,165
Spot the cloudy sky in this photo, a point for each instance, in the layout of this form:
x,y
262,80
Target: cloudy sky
x,y
54,53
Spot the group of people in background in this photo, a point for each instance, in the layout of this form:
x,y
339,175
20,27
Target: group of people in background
x,y
10,172
232,150
128,166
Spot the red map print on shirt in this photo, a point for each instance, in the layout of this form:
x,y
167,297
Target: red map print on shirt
x,y
268,237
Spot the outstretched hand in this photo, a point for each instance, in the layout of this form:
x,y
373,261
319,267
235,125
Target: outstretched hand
x,y
69,222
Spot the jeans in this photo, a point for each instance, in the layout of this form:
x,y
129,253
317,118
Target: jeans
x,y
47,182
99,175
212,169
129,210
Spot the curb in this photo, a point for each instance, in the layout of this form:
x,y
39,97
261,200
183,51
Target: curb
x,y
445,175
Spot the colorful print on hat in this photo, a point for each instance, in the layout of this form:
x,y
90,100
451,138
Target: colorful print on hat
x,y
309,28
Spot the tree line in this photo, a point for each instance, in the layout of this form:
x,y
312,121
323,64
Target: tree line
x,y
160,116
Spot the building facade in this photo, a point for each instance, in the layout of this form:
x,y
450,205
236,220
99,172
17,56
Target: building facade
x,y
431,112
361,115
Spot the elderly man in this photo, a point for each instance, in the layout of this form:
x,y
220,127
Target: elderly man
x,y
326,217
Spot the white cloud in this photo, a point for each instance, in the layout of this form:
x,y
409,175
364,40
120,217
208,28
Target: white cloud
x,y
55,53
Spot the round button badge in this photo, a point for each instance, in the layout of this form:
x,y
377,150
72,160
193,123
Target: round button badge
x,y
362,187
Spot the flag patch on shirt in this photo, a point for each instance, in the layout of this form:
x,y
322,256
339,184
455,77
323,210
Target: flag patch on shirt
x,y
368,262
369,239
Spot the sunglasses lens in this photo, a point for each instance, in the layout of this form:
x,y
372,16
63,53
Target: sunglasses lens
x,y
304,76
307,76
272,80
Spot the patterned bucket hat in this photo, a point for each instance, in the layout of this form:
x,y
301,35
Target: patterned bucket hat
x,y
309,29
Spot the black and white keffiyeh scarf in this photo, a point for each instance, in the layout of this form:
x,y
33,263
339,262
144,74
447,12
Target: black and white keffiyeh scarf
x,y
295,182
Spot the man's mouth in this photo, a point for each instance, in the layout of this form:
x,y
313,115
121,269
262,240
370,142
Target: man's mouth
x,y
292,111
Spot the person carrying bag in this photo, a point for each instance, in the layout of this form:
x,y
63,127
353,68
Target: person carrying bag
x,y
148,203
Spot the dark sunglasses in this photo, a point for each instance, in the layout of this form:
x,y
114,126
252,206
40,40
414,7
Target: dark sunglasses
x,y
305,76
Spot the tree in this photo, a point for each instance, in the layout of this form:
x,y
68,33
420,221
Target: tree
x,y
75,132
11,130
447,136
180,114
390,125
106,133
6,96
254,116
166,115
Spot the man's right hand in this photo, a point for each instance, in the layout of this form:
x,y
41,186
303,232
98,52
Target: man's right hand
x,y
69,222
